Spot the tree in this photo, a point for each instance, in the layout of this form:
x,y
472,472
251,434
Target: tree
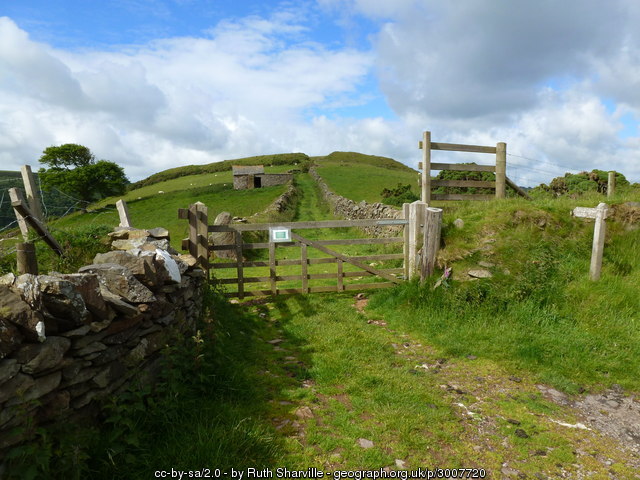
x,y
74,171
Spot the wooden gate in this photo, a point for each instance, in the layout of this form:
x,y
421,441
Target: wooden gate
x,y
288,248
307,273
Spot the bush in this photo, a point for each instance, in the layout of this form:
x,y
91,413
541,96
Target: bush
x,y
399,195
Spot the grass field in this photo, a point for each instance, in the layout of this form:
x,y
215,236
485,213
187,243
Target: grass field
x,y
363,177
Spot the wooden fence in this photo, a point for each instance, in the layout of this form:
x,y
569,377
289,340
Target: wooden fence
x,y
500,168
419,227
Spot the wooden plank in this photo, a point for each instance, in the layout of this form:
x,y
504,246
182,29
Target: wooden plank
x,y
202,232
340,285
501,169
353,241
321,289
183,213
310,261
312,276
460,167
123,213
272,267
425,180
585,212
15,194
39,227
31,189
461,197
457,147
244,227
416,222
517,189
304,262
463,183
342,257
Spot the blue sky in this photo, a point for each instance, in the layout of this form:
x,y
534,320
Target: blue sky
x,y
152,84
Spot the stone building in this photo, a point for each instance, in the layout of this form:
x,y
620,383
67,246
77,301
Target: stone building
x,y
253,176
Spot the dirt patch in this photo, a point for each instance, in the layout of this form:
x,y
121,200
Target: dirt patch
x,y
361,302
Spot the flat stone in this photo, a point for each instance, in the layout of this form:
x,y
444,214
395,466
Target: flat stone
x,y
486,264
78,332
120,281
480,273
159,232
8,279
62,300
364,443
118,304
141,267
16,386
40,387
170,265
458,223
45,355
304,412
91,348
8,369
10,338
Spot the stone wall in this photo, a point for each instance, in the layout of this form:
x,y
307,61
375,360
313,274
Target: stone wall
x,y
346,208
271,179
69,340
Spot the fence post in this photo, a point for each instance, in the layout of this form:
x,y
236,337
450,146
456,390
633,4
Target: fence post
x,y
202,234
611,185
431,241
33,199
426,167
123,213
416,219
599,233
405,233
501,169
26,258
15,195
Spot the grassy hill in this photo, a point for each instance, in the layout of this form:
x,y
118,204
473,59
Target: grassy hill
x,y
363,177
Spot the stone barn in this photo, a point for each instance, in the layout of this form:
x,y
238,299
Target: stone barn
x,y
253,176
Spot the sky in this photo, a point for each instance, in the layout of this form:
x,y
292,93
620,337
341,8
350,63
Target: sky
x,y
155,84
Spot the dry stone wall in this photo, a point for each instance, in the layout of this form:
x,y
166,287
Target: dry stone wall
x,y
69,340
346,208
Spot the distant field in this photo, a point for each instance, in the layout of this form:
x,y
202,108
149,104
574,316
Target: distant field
x,y
161,210
343,175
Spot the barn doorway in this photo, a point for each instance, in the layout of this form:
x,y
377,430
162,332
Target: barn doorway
x,y
257,182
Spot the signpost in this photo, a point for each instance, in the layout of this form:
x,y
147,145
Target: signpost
x,y
600,214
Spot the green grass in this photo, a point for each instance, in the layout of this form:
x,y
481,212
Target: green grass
x,y
363,177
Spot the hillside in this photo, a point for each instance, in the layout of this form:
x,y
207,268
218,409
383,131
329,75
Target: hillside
x,y
363,177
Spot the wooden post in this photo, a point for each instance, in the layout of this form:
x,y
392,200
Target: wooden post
x,y
611,185
600,214
340,285
405,234
15,195
426,167
597,250
26,257
240,265
272,267
193,231
501,169
305,262
416,219
202,234
123,213
33,199
431,241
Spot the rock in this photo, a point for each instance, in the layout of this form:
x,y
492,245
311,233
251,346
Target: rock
x,y
15,310
486,264
188,260
16,386
8,369
78,332
8,279
169,265
43,356
304,412
159,232
119,280
63,301
223,238
521,433
89,288
53,404
141,267
458,223
10,338
91,348
401,463
480,273
146,243
28,286
113,371
364,443
118,304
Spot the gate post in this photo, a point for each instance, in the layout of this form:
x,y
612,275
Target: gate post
x,y
416,223
431,241
501,169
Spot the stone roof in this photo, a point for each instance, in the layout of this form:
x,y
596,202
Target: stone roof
x,y
247,169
